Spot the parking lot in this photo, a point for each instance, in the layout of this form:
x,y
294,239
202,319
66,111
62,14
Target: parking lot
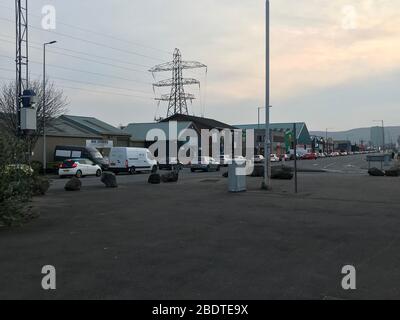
x,y
194,240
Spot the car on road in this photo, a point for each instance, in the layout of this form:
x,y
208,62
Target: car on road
x,y
131,160
79,168
205,164
258,158
62,153
274,158
284,157
170,164
225,160
309,156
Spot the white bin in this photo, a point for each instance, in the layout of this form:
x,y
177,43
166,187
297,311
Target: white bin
x,y
237,183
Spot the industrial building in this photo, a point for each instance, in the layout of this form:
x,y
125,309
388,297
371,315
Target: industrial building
x,y
79,131
281,136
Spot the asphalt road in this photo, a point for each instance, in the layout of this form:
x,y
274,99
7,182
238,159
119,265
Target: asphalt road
x,y
194,240
355,164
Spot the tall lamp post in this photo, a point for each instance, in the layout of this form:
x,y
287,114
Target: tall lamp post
x,y
383,133
267,162
44,105
326,139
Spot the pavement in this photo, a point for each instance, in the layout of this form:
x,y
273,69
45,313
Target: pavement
x,y
195,240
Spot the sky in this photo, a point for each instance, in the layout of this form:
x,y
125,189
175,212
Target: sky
x,y
334,63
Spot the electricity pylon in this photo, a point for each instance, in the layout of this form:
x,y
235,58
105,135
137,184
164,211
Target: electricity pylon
x,y
22,73
177,99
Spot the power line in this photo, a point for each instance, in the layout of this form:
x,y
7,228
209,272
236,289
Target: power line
x,y
84,53
100,34
83,59
89,41
83,82
90,90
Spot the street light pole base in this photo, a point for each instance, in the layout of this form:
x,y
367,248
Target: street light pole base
x,y
264,186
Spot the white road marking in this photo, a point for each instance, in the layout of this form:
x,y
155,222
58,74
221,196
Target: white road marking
x,y
330,165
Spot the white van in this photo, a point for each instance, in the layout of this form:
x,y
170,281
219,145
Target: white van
x,y
131,160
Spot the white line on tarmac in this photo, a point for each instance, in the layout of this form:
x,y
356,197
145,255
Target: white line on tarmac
x,y
330,165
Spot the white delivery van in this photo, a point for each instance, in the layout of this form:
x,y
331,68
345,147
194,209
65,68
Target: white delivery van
x,y
131,160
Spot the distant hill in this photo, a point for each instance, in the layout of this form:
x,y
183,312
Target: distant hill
x,y
360,134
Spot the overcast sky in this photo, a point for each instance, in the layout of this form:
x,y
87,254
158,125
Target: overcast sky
x,y
334,63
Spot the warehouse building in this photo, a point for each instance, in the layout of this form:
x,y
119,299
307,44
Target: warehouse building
x,y
79,131
281,136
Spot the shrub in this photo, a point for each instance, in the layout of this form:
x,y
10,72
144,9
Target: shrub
x,y
16,182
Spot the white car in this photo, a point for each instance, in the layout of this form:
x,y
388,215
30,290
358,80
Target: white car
x,y
258,158
274,158
205,164
79,168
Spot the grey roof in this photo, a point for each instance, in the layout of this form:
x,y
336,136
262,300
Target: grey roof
x,y
60,128
93,125
200,122
139,131
83,127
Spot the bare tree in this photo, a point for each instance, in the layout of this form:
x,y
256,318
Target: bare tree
x,y
56,105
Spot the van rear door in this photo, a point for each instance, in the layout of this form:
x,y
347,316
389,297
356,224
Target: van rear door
x,y
117,158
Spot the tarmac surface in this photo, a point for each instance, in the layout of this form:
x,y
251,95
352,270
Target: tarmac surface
x,y
195,240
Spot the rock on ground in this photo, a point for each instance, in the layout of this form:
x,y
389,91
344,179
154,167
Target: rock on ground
x,y
154,178
393,172
375,172
109,179
73,184
170,177
282,173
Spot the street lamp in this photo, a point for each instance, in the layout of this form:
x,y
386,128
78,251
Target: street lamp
x,y
44,105
383,133
267,162
326,139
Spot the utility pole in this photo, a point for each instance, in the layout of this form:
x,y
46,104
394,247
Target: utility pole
x,y
44,106
21,56
267,152
295,156
177,98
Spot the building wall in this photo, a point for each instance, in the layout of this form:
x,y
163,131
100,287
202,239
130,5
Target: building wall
x,y
52,142
377,136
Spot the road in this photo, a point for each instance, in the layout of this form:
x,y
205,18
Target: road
x,y
355,164
195,240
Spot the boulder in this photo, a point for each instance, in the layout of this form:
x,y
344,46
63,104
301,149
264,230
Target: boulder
x,y
154,178
40,185
392,172
170,177
109,179
375,172
73,185
282,173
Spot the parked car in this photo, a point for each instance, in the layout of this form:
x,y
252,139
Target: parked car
x,y
62,153
205,164
310,156
170,164
225,160
258,158
284,157
79,168
131,160
274,158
